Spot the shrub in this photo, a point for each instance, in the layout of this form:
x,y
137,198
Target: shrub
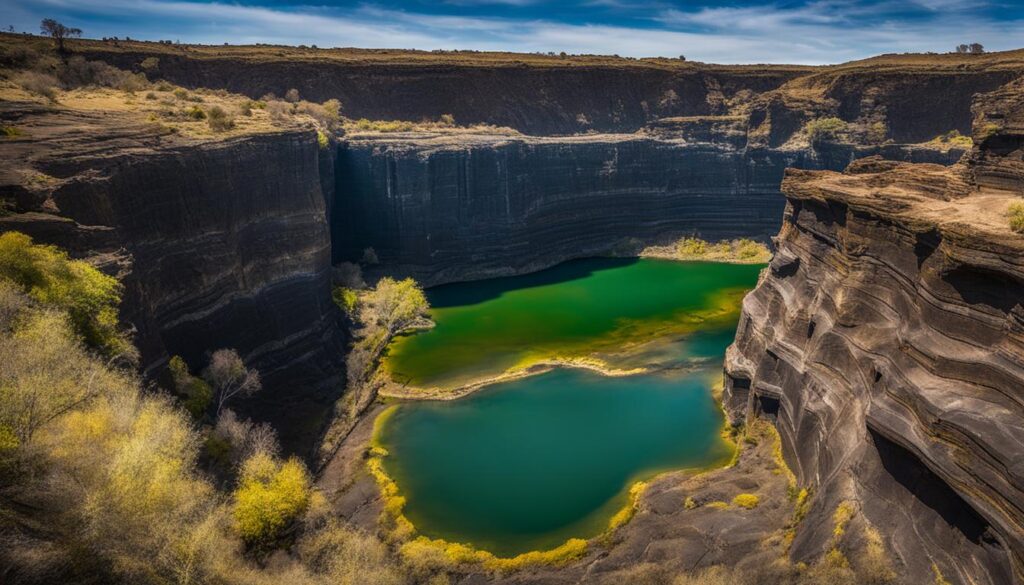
x,y
345,556
48,276
11,132
1016,214
747,249
748,501
196,393
42,84
447,120
270,496
196,113
322,140
292,95
841,518
150,96
181,93
348,275
150,63
691,247
229,377
824,129
219,120
245,438
346,299
278,110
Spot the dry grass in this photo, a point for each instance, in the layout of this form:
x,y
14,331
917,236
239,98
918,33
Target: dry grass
x,y
1015,213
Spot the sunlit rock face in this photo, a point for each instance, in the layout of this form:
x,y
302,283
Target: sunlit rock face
x,y
886,340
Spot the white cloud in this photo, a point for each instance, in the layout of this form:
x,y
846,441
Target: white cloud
x,y
825,31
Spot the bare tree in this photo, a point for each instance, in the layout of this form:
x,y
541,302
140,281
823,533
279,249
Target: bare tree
x,y
58,31
229,377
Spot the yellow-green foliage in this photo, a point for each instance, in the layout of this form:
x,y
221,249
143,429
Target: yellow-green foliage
x,y
748,501
954,138
10,131
629,510
271,494
841,518
989,130
48,276
740,250
196,113
689,503
321,140
691,247
347,299
424,554
825,128
873,564
1016,214
384,125
195,392
718,505
939,578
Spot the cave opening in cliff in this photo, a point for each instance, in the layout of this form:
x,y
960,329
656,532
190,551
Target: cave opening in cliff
x,y
978,286
768,407
962,529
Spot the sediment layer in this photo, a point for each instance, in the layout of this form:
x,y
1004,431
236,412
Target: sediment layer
x,y
886,340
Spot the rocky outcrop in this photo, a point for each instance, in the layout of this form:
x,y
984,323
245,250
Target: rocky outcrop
x,y
451,207
886,337
219,243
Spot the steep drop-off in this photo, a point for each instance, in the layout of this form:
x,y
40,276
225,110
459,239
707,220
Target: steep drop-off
x,y
886,338
219,243
445,208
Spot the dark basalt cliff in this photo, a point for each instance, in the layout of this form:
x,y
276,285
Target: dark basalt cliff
x,y
443,208
887,341
218,244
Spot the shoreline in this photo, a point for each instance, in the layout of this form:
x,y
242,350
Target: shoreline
x,y
398,391
403,531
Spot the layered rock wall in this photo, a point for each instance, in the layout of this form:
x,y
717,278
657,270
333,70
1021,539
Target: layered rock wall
x,y
454,208
218,244
886,340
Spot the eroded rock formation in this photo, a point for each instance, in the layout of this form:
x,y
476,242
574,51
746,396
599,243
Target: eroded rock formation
x,y
219,243
886,337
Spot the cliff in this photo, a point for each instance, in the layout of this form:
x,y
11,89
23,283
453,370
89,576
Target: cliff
x,y
885,341
443,207
916,97
218,242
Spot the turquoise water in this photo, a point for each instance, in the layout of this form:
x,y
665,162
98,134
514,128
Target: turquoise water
x,y
525,465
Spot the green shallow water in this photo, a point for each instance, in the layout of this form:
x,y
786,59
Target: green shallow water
x,y
576,309
525,465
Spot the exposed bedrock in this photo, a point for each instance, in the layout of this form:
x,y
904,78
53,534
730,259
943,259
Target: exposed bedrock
x,y
915,98
219,244
886,337
454,208
530,98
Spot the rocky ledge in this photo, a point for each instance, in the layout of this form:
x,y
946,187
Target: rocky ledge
x,y
887,340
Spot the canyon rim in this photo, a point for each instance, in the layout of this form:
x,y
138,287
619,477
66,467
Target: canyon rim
x,y
218,261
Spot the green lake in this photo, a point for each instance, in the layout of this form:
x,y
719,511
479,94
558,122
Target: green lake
x,y
526,464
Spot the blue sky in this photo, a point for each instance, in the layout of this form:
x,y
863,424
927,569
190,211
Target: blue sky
x,y
721,31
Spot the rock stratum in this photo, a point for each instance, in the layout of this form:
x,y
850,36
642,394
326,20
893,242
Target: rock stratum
x,y
219,243
885,340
